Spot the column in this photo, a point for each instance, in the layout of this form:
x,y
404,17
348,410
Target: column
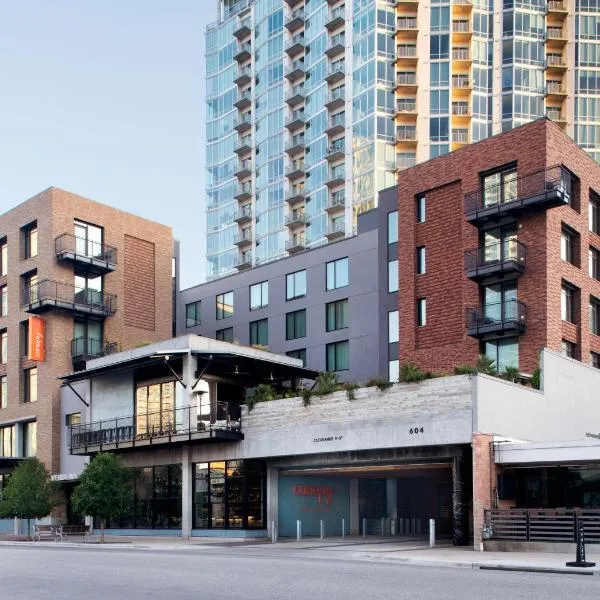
x,y
391,496
354,507
186,492
272,496
482,483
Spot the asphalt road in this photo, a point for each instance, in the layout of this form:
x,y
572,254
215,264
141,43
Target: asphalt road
x,y
39,573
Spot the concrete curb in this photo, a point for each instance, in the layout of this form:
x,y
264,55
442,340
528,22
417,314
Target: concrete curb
x,y
534,569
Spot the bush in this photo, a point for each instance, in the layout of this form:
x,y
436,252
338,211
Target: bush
x,y
409,373
536,377
486,365
262,393
380,383
350,389
511,374
306,397
465,370
326,383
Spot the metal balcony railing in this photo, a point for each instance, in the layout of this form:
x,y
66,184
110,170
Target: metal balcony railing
x,y
461,54
497,257
406,79
555,60
460,81
556,5
406,134
295,243
243,213
295,217
406,52
555,115
460,136
336,227
84,348
556,88
406,106
508,315
554,33
76,249
243,260
460,109
461,26
406,24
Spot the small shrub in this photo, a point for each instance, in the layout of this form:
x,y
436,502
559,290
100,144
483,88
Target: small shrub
x,y
536,377
380,383
262,393
326,383
486,365
409,373
465,370
350,390
306,397
511,374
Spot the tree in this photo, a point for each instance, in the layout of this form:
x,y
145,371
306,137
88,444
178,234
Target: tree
x,y
103,490
28,493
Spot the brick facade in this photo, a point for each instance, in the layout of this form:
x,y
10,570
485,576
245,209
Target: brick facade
x,y
55,211
443,342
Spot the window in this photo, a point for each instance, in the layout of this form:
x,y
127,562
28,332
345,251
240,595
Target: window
x,y
301,354
3,257
394,371
193,314
259,333
30,287
337,274
3,392
594,213
594,259
392,227
88,240
8,440
295,324
499,187
29,438
504,352
421,312
393,327
73,419
569,245
595,360
259,295
155,408
295,285
567,348
225,335
421,267
224,306
4,301
24,338
336,315
31,388
3,346
567,303
594,315
421,209
393,276
30,240
338,356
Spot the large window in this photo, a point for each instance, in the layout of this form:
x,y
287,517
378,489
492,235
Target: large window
x,y
225,335
567,244
594,315
295,285
568,349
594,263
295,324
392,227
336,316
338,356
421,312
30,240
3,257
155,408
567,303
224,305
393,327
259,295
30,438
300,353
3,346
504,352
30,287
337,273
392,276
193,314
259,333
420,204
3,392
88,239
499,187
31,385
594,213
8,440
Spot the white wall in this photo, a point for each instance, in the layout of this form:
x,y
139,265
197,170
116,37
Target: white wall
x,y
71,403
112,396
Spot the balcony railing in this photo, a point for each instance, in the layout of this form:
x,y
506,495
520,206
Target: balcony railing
x,y
95,256
244,213
406,79
243,260
556,88
336,18
406,106
535,191
406,134
406,24
176,425
295,19
461,26
460,81
295,218
460,109
84,348
556,6
554,33
295,44
461,54
295,243
337,200
243,52
554,60
460,136
498,317
48,294
406,52
499,258
555,115
296,94
336,229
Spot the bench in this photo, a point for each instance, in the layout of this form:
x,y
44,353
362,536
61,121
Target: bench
x,y
47,531
82,530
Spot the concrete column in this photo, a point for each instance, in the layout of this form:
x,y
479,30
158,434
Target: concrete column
x,y
482,483
354,507
391,496
186,492
272,496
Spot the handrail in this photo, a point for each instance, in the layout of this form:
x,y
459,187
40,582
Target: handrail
x,y
68,242
59,292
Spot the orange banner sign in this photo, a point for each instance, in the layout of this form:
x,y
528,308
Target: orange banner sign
x,y
37,345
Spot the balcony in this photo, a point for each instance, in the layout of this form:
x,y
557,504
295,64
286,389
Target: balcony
x,y
336,124
556,116
295,145
243,52
461,109
244,169
462,7
336,230
406,134
243,260
534,192
95,257
295,45
460,136
461,82
336,151
337,176
243,76
336,45
295,20
406,106
295,171
406,82
556,34
556,6
243,28
295,120
509,316
292,3
243,238
336,18
84,349
295,244
295,71
461,31
336,73
244,146
244,214
244,100
48,295
295,194
406,55
407,26
336,203
498,259
295,218
243,192
296,95
556,90
243,123
461,55
175,426
556,61
336,98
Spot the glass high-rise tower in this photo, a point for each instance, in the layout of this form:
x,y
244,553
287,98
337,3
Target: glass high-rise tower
x,y
314,104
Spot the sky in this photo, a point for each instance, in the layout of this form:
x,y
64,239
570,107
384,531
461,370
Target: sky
x,y
105,98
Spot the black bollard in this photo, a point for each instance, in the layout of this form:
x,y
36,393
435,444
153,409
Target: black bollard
x,y
580,551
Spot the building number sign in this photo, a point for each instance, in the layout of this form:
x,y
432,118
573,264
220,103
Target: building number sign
x,y
415,430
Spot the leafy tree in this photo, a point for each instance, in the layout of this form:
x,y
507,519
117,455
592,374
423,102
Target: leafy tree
x,y
103,489
28,493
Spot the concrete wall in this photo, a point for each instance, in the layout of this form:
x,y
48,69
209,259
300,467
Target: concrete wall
x,y
71,403
113,396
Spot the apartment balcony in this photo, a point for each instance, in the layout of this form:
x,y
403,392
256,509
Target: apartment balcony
x,y
406,82
243,192
293,3
243,239
336,203
295,45
336,18
243,76
336,72
295,146
48,295
166,428
501,318
556,62
295,71
243,260
84,349
406,134
462,8
243,52
557,116
407,4
336,98
295,120
461,110
244,214
556,91
556,37
461,83
244,169
296,171
336,151
406,56
243,100
407,28
530,193
336,230
243,28
295,244
244,146
503,258
295,194
462,56
461,32
243,124
557,7
295,219
95,257
460,137
336,124
295,20
406,106
296,95
337,176
336,46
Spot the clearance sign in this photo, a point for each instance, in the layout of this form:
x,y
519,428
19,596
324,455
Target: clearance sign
x,y
37,346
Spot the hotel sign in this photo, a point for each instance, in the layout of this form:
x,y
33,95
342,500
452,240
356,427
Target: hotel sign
x,y
36,340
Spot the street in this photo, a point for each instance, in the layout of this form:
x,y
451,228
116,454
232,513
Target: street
x,y
254,572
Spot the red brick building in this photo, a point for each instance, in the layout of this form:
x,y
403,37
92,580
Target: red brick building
x,y
499,251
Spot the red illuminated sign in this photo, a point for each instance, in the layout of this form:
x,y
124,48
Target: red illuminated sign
x,y
320,492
